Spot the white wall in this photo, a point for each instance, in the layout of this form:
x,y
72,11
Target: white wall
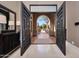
x,y
72,15
10,4
77,27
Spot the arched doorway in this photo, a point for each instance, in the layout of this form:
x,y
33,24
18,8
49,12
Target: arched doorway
x,y
43,24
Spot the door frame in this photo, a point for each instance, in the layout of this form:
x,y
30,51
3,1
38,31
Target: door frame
x,y
43,12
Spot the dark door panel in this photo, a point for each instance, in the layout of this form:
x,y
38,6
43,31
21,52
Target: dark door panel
x,y
61,29
25,29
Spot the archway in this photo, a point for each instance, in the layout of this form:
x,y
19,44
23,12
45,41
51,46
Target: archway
x,y
43,24
46,21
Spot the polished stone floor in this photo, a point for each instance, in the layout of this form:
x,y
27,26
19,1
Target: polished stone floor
x,y
43,38
47,51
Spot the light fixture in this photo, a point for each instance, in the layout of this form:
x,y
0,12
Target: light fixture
x,y
17,22
2,19
11,22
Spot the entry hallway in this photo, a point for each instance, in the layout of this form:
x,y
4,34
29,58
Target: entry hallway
x,y
44,38
47,51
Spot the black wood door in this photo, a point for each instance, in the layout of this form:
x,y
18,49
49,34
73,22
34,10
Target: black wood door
x,y
25,29
61,29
